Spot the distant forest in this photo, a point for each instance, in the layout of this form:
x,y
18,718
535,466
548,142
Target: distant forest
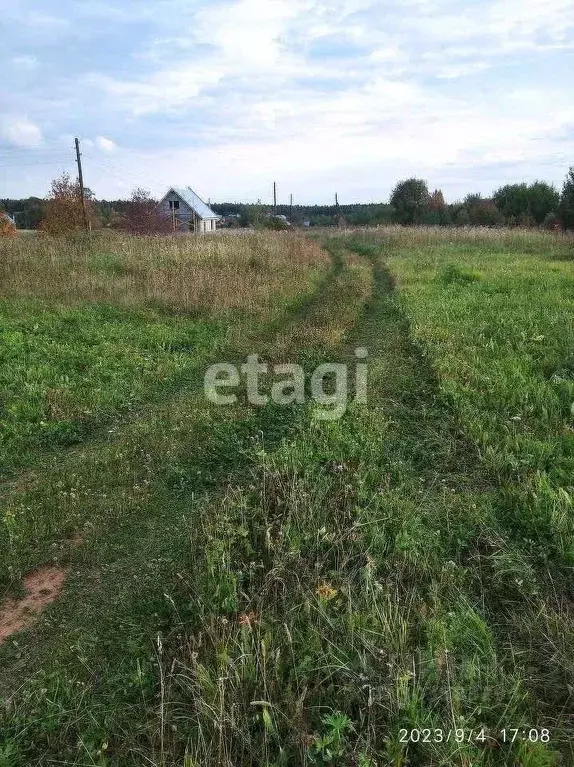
x,y
411,203
29,212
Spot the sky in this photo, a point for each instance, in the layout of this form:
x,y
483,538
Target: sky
x,y
321,96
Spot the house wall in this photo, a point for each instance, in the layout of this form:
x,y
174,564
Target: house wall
x,y
185,214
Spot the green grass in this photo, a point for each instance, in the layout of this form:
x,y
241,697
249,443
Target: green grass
x,y
256,587
88,334
66,370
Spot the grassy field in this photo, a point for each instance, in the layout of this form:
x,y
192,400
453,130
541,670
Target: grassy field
x,y
91,331
253,586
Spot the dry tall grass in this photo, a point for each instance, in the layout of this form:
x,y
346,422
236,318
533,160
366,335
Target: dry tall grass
x,y
424,235
210,275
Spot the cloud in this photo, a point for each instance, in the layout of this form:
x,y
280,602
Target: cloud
x,y
25,63
106,144
164,90
323,94
44,20
21,132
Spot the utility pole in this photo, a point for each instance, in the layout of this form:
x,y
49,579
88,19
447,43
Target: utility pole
x,y
81,182
291,208
274,198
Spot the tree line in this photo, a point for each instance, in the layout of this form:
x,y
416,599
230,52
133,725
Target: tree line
x,y
536,204
411,203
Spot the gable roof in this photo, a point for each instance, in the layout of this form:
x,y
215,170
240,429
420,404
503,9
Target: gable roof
x,y
194,201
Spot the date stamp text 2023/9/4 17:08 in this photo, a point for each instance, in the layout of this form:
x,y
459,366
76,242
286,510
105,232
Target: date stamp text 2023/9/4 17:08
x,y
475,735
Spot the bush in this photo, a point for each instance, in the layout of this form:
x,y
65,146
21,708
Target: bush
x,y
143,216
276,224
552,222
7,228
63,209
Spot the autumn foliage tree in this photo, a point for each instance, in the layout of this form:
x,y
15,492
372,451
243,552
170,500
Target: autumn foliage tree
x,y
7,228
436,202
63,210
143,216
436,209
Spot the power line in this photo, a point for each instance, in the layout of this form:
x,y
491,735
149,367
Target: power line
x,y
44,157
31,151
30,164
122,172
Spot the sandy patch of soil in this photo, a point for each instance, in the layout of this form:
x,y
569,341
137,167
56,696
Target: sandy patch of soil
x,y
42,587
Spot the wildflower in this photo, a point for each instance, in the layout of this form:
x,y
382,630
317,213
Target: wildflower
x,y
246,620
326,592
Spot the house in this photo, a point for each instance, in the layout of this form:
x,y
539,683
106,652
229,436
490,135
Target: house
x,y
188,211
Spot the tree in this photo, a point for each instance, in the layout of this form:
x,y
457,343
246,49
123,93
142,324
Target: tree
x,y
481,211
143,216
7,228
63,210
543,199
471,200
513,202
436,201
108,216
253,215
410,200
436,213
462,218
322,219
566,207
27,212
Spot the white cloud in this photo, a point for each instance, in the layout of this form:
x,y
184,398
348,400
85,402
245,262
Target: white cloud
x,y
425,86
359,144
167,89
106,144
19,131
25,63
43,21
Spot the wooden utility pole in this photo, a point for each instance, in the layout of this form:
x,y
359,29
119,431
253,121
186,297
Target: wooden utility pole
x,y
274,198
81,182
291,208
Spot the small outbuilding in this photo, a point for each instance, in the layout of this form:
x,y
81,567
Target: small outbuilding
x,y
188,211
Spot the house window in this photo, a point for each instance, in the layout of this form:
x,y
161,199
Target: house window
x,y
174,204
